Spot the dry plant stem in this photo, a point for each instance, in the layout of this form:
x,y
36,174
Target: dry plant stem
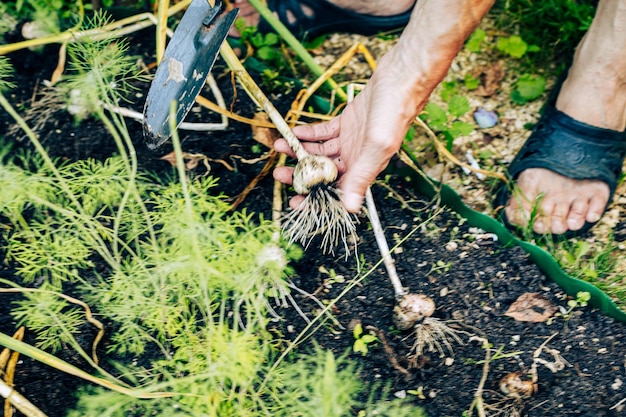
x,y
88,316
8,363
392,355
219,108
444,152
51,360
337,66
618,404
261,99
478,402
379,234
118,28
19,401
161,31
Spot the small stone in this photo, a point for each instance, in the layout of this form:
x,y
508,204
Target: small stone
x,y
400,394
451,246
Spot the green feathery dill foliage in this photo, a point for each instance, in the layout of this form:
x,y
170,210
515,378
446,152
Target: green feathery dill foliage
x,y
188,286
100,71
315,384
52,319
6,72
319,384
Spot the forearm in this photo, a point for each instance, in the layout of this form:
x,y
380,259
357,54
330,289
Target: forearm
x,y
429,43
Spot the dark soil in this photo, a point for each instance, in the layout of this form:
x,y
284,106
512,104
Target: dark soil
x,y
472,278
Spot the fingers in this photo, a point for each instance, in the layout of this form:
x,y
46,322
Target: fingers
x,y
357,179
329,148
318,139
285,175
319,131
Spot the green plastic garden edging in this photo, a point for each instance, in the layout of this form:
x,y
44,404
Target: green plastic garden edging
x,y
430,188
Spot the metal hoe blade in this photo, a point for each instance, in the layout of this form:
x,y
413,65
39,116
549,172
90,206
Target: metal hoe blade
x,y
187,61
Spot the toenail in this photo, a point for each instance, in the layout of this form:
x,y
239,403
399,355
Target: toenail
x,y
558,228
574,224
593,217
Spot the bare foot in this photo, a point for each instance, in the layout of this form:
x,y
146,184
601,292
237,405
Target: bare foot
x,y
561,203
594,93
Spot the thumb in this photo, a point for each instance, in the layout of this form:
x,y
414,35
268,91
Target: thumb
x,y
353,186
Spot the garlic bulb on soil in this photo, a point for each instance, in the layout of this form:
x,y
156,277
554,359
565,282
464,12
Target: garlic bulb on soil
x,y
313,170
411,309
516,386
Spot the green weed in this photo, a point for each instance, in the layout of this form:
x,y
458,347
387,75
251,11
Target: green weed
x,y
554,26
362,341
447,121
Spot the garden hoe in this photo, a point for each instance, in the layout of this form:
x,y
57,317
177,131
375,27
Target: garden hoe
x,y
187,61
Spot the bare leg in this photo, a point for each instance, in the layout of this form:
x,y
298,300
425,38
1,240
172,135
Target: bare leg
x,y
594,93
369,7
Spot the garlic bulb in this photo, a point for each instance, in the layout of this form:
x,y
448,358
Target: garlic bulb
x,y
313,170
516,386
411,309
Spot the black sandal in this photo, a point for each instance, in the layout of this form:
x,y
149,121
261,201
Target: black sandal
x,y
568,147
328,18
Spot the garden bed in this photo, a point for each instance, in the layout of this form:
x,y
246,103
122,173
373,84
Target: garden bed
x,y
471,276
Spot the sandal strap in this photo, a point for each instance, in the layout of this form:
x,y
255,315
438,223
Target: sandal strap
x,y
291,14
573,149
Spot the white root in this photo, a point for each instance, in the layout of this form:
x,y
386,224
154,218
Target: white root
x,y
321,213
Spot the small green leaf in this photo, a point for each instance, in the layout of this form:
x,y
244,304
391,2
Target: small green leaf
x,y
513,46
517,98
266,53
471,82
256,40
368,338
271,39
459,128
315,43
358,331
533,48
359,347
475,40
530,86
448,90
458,106
436,116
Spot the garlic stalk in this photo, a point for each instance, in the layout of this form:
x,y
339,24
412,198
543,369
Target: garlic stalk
x,y
321,213
412,311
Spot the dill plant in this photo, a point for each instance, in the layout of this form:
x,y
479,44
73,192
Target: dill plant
x,y
185,285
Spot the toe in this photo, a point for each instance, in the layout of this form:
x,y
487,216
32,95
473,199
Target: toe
x,y
597,205
559,211
517,210
577,214
544,221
